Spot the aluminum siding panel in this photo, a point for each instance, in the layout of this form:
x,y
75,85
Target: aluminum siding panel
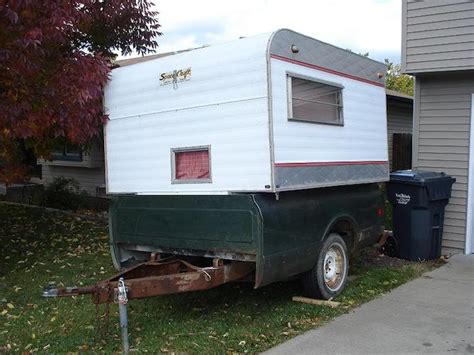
x,y
326,56
362,138
223,105
437,35
443,120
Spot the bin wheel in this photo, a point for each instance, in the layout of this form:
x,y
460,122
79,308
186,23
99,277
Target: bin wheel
x,y
329,276
390,247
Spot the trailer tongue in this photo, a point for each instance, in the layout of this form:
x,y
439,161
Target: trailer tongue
x,y
159,277
154,278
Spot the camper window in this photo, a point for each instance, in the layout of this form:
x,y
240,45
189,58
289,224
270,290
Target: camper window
x,y
314,101
191,165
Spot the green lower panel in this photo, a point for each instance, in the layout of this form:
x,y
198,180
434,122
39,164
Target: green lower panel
x,y
205,223
282,235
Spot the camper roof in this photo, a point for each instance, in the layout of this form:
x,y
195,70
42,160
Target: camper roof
x,y
283,43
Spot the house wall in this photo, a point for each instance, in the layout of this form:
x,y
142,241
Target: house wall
x,y
441,141
88,178
437,35
89,172
399,120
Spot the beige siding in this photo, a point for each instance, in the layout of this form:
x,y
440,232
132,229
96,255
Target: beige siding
x,y
442,125
89,173
88,178
437,35
399,120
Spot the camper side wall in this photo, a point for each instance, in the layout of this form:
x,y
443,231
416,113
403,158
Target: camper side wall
x,y
349,149
216,104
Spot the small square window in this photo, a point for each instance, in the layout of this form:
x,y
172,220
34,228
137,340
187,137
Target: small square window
x,y
313,101
191,165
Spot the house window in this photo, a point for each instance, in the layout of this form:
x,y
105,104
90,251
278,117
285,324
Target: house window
x,y
68,153
191,165
314,101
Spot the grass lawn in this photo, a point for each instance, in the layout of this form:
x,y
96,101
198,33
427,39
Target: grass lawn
x,y
38,246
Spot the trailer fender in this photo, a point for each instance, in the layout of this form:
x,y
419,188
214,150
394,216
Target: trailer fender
x,y
346,226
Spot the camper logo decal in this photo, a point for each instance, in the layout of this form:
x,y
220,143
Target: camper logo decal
x,y
402,199
174,77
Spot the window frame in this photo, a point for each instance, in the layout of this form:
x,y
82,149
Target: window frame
x,y
66,156
173,152
289,89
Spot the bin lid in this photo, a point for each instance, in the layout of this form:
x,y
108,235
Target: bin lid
x,y
437,184
418,177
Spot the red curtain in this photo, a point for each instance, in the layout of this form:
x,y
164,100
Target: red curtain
x,y
193,164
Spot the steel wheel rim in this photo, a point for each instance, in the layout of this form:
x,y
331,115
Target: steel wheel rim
x,y
334,267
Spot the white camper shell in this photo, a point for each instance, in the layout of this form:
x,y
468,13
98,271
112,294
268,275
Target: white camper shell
x,y
269,113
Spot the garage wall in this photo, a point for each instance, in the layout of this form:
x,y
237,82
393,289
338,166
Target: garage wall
x,y
441,141
437,35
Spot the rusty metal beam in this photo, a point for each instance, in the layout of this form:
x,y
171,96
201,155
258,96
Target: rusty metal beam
x,y
160,277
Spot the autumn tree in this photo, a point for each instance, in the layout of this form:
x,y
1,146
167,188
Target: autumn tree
x,y
395,80
55,57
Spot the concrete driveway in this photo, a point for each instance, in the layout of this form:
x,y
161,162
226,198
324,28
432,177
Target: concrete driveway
x,y
432,314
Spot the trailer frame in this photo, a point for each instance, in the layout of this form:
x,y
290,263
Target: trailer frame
x,y
158,277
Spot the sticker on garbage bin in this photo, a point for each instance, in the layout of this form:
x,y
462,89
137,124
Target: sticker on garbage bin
x,y
402,199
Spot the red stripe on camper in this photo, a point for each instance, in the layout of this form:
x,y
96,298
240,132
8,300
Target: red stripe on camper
x,y
329,163
327,70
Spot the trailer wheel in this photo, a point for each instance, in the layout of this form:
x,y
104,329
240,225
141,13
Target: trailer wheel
x,y
329,276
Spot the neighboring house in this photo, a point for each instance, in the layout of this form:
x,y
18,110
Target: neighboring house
x,y
438,49
85,167
399,129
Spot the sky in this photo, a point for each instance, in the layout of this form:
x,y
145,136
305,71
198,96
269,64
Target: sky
x,y
372,26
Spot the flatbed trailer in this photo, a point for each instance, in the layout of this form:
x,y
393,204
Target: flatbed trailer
x,y
255,160
173,244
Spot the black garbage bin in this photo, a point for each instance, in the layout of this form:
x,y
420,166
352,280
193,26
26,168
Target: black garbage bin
x,y
419,198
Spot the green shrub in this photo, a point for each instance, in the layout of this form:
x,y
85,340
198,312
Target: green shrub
x,y
62,193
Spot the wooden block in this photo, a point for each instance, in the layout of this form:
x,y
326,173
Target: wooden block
x,y
332,304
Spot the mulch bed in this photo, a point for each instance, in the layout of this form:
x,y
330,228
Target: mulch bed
x,y
373,257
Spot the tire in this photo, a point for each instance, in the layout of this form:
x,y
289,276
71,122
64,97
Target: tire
x,y
325,281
